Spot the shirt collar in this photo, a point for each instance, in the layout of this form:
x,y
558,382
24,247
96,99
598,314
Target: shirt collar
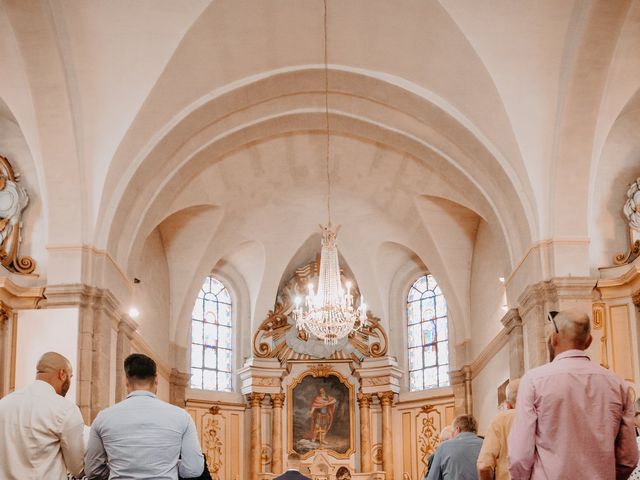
x,y
141,393
42,385
465,434
572,354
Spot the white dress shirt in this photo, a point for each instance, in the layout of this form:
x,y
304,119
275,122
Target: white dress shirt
x,y
143,437
40,435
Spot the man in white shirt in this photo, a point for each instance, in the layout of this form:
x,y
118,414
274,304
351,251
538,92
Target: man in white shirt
x,y
40,430
143,437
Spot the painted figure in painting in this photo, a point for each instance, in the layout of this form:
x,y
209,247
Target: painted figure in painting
x,y
321,416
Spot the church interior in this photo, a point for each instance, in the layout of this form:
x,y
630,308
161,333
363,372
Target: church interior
x,y
170,169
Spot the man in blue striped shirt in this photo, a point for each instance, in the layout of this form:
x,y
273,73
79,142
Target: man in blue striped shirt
x,y
143,437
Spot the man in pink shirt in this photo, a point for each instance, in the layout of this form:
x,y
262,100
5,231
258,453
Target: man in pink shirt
x,y
574,419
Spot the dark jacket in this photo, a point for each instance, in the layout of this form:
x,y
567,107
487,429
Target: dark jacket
x,y
292,475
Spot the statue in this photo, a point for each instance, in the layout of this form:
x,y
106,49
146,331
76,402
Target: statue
x,y
631,209
13,200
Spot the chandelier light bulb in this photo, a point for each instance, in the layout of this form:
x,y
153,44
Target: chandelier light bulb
x,y
134,312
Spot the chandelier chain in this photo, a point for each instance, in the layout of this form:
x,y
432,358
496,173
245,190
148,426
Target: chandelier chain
x,y
326,113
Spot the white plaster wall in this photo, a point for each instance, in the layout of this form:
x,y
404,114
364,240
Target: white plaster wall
x,y
41,331
152,296
487,292
485,388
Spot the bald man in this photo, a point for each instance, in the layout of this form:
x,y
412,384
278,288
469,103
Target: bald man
x,y
573,417
40,430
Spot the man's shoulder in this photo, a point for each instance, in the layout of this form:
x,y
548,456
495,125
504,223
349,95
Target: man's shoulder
x,y
292,475
153,404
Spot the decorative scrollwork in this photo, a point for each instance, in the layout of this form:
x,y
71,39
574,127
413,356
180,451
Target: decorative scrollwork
x,y
13,200
428,437
277,336
212,442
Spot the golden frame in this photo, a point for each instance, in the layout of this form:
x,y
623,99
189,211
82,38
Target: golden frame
x,y
322,370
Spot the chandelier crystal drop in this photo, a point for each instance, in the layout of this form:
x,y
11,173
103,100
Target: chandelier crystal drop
x,y
329,313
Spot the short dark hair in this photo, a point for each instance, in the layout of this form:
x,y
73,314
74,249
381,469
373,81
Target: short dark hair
x,y
140,367
466,423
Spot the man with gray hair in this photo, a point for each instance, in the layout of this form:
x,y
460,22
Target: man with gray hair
x,y
456,458
445,434
572,416
493,461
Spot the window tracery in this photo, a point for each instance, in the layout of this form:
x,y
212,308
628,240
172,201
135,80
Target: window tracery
x,y
211,338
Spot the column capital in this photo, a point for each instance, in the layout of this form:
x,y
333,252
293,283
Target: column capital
x,y
386,398
127,326
365,399
5,311
179,378
511,320
277,399
458,377
255,399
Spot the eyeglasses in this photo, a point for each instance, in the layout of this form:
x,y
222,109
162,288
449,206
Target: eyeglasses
x,y
551,316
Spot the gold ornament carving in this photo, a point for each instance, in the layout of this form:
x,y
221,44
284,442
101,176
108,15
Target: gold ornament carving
x,y
270,340
14,199
386,398
376,454
428,438
321,370
212,441
265,455
365,399
255,399
635,298
277,400
266,381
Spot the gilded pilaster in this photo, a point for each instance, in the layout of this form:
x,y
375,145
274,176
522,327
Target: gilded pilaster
x,y
386,402
277,400
364,400
255,400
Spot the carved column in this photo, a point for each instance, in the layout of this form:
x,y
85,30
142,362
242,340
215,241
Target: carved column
x,y
277,400
255,400
364,400
386,401
123,349
513,325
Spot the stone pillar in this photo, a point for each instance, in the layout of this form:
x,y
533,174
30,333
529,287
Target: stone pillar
x,y
364,400
178,383
386,401
126,328
255,400
513,325
277,400
462,396
534,304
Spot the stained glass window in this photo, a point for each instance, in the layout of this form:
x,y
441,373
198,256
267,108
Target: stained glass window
x,y
427,335
211,333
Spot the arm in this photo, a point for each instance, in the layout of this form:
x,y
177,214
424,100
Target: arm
x,y
626,447
192,461
72,443
522,439
95,460
489,452
435,472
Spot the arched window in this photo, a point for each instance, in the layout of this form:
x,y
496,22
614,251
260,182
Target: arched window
x,y
428,335
211,338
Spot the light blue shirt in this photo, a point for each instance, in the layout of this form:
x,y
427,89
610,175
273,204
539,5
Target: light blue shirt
x,y
456,459
143,437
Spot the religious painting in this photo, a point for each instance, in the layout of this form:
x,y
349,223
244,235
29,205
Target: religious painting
x,y
321,414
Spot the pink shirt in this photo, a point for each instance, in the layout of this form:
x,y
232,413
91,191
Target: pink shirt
x,y
574,419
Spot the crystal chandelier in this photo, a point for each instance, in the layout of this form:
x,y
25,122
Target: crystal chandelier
x,y
329,313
